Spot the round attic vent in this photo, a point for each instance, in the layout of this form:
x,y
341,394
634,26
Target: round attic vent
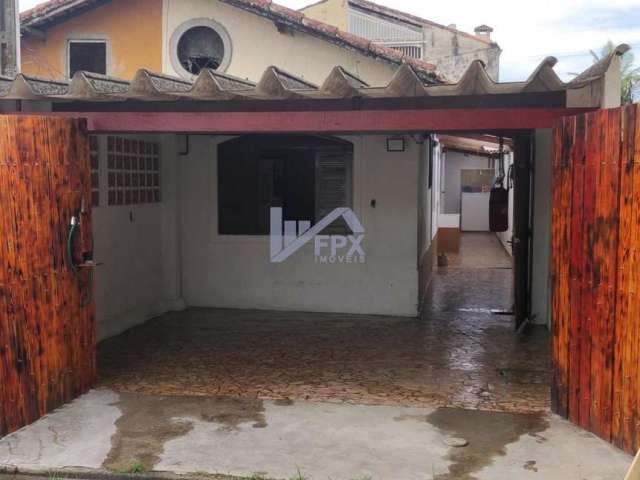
x,y
199,44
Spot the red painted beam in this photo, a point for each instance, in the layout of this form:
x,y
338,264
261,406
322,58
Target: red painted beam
x,y
362,121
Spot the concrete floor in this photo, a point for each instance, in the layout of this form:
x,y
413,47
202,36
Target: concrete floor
x,y
242,437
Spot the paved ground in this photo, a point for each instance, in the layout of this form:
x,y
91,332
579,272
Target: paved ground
x,y
457,355
242,437
479,250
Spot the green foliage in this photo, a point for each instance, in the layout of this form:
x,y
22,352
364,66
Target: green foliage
x,y
630,73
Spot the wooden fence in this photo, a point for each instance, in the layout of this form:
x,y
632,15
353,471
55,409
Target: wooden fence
x,y
596,270
47,340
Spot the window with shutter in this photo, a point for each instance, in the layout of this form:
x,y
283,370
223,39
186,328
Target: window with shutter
x,y
333,185
305,175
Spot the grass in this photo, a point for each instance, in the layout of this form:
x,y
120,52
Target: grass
x,y
137,468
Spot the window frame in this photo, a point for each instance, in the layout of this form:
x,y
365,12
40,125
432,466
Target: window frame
x,y
184,28
350,186
107,48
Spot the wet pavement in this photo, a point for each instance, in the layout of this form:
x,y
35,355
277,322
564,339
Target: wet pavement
x,y
104,434
456,355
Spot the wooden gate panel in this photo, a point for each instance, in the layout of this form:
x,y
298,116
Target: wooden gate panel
x,y
626,334
575,125
47,339
596,269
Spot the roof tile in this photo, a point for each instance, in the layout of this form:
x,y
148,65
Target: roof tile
x,y
294,15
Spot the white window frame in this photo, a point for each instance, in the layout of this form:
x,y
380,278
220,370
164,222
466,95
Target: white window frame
x,y
87,40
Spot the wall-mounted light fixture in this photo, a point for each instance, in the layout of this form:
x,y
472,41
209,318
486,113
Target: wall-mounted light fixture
x,y
395,144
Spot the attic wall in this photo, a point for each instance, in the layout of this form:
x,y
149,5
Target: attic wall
x,y
133,39
333,12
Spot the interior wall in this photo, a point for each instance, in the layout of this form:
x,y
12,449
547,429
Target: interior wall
x,y
236,272
454,162
137,247
540,287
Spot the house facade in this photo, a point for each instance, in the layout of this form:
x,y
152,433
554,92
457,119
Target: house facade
x,y
187,166
452,50
179,38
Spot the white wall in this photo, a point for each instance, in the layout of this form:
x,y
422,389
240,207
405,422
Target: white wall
x,y
137,245
235,271
540,288
453,163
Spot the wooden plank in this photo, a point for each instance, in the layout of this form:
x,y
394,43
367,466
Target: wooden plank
x,y
589,202
625,366
607,246
555,240
598,265
632,398
577,260
561,237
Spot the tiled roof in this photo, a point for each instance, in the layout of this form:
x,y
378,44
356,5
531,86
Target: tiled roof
x,y
277,84
53,10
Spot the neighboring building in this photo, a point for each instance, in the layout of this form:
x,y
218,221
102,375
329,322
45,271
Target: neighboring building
x,y
180,37
450,49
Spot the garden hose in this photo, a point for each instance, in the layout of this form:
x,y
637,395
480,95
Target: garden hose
x,y
87,292
73,230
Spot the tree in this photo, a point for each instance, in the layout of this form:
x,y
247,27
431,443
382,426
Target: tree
x,y
630,73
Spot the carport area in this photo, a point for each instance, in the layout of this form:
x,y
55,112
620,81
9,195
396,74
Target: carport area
x,y
456,354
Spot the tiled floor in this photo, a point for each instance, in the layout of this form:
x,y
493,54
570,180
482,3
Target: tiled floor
x,y
458,354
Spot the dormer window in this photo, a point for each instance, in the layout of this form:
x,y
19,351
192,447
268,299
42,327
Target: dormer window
x,y
200,44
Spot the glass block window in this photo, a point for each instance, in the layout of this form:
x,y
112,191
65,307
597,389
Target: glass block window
x,y
133,168
94,156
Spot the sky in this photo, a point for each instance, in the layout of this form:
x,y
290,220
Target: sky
x,y
527,31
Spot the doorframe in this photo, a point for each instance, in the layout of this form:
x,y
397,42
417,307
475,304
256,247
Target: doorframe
x,y
522,227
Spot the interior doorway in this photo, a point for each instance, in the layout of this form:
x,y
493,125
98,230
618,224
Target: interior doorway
x,y
478,297
483,211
